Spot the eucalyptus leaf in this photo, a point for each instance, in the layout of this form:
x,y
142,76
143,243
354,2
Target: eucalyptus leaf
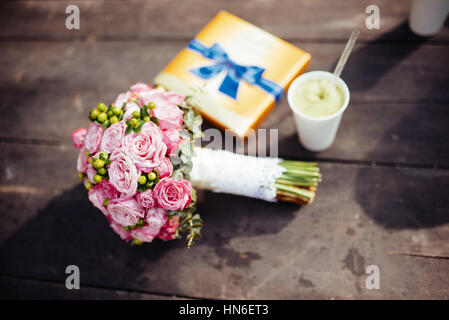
x,y
177,174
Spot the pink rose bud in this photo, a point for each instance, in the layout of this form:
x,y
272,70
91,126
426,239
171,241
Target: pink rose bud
x,y
129,109
172,194
169,116
155,220
146,199
100,192
172,140
93,137
165,168
122,98
124,235
140,87
91,172
168,231
82,161
78,137
125,211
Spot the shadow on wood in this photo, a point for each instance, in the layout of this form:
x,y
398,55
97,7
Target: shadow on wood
x,y
69,230
360,74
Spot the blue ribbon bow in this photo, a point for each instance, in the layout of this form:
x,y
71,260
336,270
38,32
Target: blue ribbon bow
x,y
235,72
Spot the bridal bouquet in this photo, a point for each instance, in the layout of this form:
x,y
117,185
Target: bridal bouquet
x,y
138,164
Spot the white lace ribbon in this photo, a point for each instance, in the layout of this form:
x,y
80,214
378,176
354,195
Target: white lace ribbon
x,y
228,172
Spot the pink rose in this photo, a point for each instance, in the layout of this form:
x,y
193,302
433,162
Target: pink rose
x,y
91,172
78,137
93,137
123,173
124,235
146,148
140,87
99,193
165,168
174,97
168,231
172,140
113,137
129,109
156,218
172,194
82,161
125,211
160,98
146,199
145,234
169,117
122,98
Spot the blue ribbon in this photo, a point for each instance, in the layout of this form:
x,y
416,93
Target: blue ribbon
x,y
235,72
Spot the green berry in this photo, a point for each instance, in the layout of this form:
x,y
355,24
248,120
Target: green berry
x,y
87,184
94,114
102,107
152,176
113,119
87,153
116,110
142,179
102,117
133,122
136,114
102,171
97,178
104,156
80,175
106,202
151,105
91,160
146,119
98,163
110,113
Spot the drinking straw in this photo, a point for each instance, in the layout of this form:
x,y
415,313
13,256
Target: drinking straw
x,y
346,52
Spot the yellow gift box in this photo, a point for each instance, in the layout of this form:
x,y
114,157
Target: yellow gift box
x,y
233,72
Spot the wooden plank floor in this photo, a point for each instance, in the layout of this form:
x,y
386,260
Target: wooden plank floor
x,y
383,199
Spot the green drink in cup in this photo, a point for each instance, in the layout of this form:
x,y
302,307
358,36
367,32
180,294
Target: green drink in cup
x,y
318,100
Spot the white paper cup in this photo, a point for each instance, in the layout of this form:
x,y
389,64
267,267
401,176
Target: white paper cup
x,y
427,16
316,134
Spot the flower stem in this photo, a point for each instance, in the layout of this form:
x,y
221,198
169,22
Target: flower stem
x,y
298,182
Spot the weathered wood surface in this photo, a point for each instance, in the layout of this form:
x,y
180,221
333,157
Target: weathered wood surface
x,y
307,20
20,288
392,117
250,249
384,192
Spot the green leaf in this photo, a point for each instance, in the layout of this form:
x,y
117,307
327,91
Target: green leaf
x,y
187,167
106,124
189,119
138,128
129,129
177,174
144,112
